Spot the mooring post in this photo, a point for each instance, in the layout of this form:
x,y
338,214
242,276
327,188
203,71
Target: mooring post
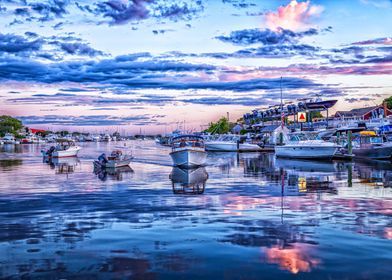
x,y
349,142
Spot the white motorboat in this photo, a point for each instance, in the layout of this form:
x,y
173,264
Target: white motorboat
x,y
64,148
32,139
115,160
231,143
188,151
300,146
106,138
9,139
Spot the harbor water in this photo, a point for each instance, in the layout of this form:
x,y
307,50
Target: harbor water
x,y
243,216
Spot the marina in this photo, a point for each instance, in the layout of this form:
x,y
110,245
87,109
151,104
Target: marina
x,y
278,217
183,139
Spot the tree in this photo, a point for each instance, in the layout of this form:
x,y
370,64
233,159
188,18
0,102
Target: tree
x,y
63,133
220,127
315,115
44,133
9,125
388,101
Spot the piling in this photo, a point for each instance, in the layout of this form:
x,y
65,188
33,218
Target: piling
x,y
349,142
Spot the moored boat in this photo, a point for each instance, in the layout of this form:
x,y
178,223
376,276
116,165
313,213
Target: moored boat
x,y
115,160
64,148
188,151
301,147
231,143
9,139
370,145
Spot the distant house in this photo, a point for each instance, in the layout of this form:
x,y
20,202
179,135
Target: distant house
x,y
364,113
272,133
236,129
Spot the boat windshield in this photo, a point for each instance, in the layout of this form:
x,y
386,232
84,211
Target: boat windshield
x,y
229,138
304,137
183,142
371,140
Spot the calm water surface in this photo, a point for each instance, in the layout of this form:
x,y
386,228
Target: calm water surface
x,y
244,216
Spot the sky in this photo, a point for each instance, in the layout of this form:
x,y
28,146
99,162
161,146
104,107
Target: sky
x,y
152,66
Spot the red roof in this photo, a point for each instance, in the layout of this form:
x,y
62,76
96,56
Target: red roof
x,y
37,130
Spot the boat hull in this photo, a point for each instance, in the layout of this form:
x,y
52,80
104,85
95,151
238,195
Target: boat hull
x,y
221,147
232,147
381,152
246,147
188,158
321,105
117,163
317,152
72,152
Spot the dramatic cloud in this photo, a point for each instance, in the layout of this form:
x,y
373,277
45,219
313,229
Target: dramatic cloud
x,y
79,49
123,11
266,37
92,120
55,46
273,51
178,11
295,16
117,11
11,43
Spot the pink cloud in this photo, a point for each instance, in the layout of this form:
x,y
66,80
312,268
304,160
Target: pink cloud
x,y
378,41
295,16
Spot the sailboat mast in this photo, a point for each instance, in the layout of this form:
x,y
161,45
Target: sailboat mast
x,y
281,103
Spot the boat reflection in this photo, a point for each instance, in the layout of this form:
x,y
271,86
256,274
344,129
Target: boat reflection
x,y
63,165
295,177
374,173
188,181
309,175
226,161
116,174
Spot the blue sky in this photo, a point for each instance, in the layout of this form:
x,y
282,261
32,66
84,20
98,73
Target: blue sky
x,y
155,65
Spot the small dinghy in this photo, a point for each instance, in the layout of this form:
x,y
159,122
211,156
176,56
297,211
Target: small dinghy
x,y
116,159
64,148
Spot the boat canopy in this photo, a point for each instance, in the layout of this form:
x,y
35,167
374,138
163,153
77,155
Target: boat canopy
x,y
367,133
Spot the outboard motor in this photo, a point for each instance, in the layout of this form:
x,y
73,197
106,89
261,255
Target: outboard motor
x,y
102,159
50,151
